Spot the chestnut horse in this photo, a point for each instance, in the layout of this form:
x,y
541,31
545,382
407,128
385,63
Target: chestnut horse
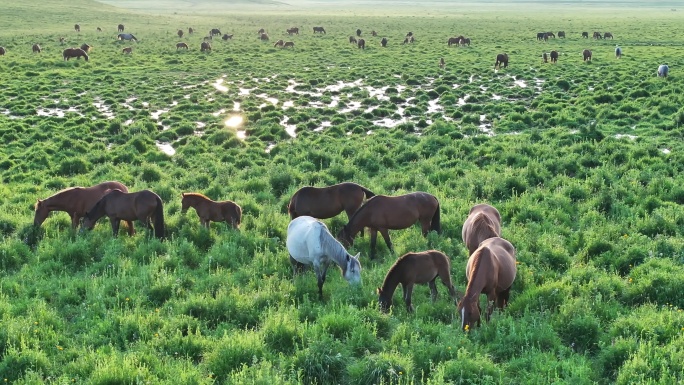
x,y
74,52
383,213
491,270
76,201
327,202
501,58
144,206
212,211
181,45
36,48
483,222
416,268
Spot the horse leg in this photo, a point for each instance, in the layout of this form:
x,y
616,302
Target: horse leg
x,y
320,274
297,267
350,214
502,298
388,241
115,225
433,289
131,229
74,220
408,290
446,280
373,240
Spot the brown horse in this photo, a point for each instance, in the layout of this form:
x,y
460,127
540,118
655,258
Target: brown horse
x,y
327,202
454,40
383,42
144,206
180,33
491,270
263,37
77,28
561,34
608,35
416,268
361,43
75,201
501,58
374,34
483,222
215,32
597,35
127,50
99,29
227,37
586,54
383,213
279,43
36,48
318,29
550,34
288,44
545,58
3,51
120,28
585,35
190,31
182,45
74,52
261,31
205,46
293,31
86,47
465,41
554,56
211,211
358,32
352,40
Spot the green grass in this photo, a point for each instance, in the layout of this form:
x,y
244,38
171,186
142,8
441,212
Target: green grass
x,y
575,163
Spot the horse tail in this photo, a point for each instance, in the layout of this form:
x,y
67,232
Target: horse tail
x,y
291,207
369,193
435,225
159,219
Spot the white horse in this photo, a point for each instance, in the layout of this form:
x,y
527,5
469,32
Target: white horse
x,y
309,242
663,70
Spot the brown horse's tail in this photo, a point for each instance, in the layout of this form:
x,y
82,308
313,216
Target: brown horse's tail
x,y
291,207
369,193
159,219
435,225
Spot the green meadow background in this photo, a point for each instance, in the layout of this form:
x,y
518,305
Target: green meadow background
x,y
583,160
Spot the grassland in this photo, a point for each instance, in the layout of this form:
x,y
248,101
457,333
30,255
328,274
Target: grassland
x,y
583,160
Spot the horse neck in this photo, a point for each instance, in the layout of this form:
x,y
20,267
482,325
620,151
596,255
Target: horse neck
x,y
389,285
484,225
59,201
98,210
357,221
478,278
334,249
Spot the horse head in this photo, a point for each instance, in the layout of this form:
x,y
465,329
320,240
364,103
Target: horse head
x,y
345,237
352,271
384,301
41,213
470,313
88,221
184,203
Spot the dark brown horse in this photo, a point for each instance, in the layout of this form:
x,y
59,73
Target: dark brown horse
x,y
327,202
74,52
212,211
227,37
144,206
554,56
442,64
597,35
293,31
120,28
374,34
550,34
483,222
75,201
561,34
127,50
3,51
383,42
182,45
545,58
77,28
36,48
491,270
358,32
279,43
263,37
608,35
465,41
501,58
383,213
416,268
361,43
190,31
288,44
180,33
585,35
454,40
318,29
205,46
215,32
352,40
260,31
586,54
99,29
86,47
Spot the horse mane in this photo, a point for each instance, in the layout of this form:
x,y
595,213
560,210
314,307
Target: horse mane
x,y
482,222
473,272
360,209
392,270
198,195
328,242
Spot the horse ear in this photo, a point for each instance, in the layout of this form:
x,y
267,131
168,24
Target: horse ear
x,y
358,255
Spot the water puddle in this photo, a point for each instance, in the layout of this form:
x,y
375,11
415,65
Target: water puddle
x,y
157,114
128,122
341,85
389,122
433,106
323,126
218,84
128,102
335,101
462,101
200,124
470,80
219,112
519,83
289,128
166,148
245,91
288,104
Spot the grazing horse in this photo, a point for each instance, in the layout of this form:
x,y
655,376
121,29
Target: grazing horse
x,y
227,37
454,41
618,52
663,70
383,42
77,28
74,52
62,40
541,35
3,51
86,47
215,32
127,50
442,64
409,34
383,213
293,31
483,222
545,58
260,31
585,35
36,48
180,33
182,45
310,243
126,36
554,56
205,46
358,33
76,201
550,34
416,268
608,35
374,34
263,37
327,202
597,35
490,270
279,43
118,205
318,29
465,41
288,44
190,31
501,58
99,29
586,54
352,40
361,43
561,34
212,211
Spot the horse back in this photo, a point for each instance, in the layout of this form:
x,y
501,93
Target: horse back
x,y
503,259
303,238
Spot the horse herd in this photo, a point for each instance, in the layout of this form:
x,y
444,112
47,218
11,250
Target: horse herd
x,y
491,266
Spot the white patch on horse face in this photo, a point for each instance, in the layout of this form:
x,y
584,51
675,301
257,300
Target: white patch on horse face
x,y
462,317
353,274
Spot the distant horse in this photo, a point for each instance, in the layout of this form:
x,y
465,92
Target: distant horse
x,y
190,31
374,34
545,58
120,28
586,54
74,52
263,37
352,40
310,243
62,40
409,34
550,34
361,43
227,37
207,38
144,206
126,36
205,46
597,35
483,222
293,31
542,36
554,56
182,45
442,64
416,268
36,48
454,41
212,211
501,58
383,213
327,202
76,201
261,31
278,43
406,40
215,32
3,51
561,34
99,29
465,41
77,28
383,42
86,47
608,35
318,29
663,70
127,50
491,270
358,32
618,52
288,44
585,35
180,33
